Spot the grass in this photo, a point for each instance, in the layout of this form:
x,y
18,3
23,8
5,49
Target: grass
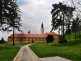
x,y
72,52
8,52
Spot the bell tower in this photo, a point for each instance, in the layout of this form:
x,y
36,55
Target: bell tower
x,y
42,29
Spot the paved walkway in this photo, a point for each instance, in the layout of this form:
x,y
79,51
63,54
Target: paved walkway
x,y
56,58
26,54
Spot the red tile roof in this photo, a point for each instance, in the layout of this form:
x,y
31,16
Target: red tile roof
x,y
52,33
29,35
32,35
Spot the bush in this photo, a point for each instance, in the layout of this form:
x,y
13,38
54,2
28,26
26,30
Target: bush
x,y
49,39
2,41
62,40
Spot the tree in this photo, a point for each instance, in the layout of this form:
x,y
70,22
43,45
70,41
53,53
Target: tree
x,y
49,39
9,16
29,32
76,24
60,15
21,39
2,40
77,5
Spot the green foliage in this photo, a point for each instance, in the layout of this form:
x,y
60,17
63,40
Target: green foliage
x,y
60,14
71,37
76,24
61,17
72,52
2,40
9,15
49,39
8,52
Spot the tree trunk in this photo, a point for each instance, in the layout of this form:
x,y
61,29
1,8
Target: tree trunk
x,y
13,36
69,36
75,36
59,33
63,28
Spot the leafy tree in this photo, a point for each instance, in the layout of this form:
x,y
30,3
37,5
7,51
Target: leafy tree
x,y
68,28
60,15
77,5
9,16
76,24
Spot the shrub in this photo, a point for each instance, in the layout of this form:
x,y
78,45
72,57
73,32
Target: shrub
x,y
49,39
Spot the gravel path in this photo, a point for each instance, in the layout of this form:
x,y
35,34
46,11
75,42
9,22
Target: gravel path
x,y
25,54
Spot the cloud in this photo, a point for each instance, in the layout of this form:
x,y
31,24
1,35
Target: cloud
x,y
34,12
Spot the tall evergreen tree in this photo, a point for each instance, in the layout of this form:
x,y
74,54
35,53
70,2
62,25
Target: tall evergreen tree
x,y
60,14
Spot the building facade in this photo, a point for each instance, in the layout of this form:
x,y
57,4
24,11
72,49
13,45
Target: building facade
x,y
29,38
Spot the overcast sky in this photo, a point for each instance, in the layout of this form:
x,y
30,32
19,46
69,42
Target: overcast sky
x,y
33,13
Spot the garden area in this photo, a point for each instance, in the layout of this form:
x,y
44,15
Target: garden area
x,y
8,51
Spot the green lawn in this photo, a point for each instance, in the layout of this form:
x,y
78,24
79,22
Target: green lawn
x,y
8,52
72,52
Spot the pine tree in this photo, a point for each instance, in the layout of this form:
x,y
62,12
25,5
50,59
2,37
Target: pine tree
x,y
60,15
